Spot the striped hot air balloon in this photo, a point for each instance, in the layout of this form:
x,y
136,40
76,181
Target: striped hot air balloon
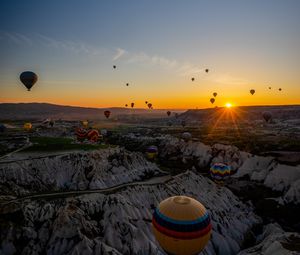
x,y
152,152
93,135
181,225
80,134
220,172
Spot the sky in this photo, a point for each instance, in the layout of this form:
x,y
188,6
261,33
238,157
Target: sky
x,y
157,46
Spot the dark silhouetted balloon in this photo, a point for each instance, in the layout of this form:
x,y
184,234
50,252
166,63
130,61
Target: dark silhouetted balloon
x,y
149,105
126,105
267,116
107,114
168,113
215,94
132,105
146,102
252,91
269,87
206,70
2,128
212,100
279,89
127,84
28,79
186,136
114,67
193,79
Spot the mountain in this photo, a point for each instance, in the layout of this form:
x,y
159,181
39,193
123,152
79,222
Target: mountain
x,y
35,111
284,112
20,111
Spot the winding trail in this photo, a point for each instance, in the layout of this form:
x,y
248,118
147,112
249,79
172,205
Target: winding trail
x,y
55,195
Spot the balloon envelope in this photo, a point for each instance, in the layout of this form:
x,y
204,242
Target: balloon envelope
x,y
215,94
28,78
107,114
220,172
252,91
267,116
181,225
2,128
186,136
168,113
27,126
212,100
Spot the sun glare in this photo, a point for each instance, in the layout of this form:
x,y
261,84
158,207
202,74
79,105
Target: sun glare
x,y
228,105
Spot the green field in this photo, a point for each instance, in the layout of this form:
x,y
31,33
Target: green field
x,y
60,144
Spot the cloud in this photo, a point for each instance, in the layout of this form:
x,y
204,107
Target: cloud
x,y
228,79
185,69
77,47
120,52
17,38
142,57
181,68
39,39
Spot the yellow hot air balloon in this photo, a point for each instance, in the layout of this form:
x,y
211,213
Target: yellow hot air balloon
x,y
85,123
27,126
181,225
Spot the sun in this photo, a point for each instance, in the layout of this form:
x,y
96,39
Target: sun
x,y
228,105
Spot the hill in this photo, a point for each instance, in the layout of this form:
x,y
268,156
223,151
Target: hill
x,y
34,111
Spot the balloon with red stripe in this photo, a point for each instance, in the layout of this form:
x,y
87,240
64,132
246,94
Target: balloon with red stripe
x,y
219,172
181,225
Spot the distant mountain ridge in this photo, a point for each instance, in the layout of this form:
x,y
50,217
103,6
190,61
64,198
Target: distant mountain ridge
x,y
20,111
35,111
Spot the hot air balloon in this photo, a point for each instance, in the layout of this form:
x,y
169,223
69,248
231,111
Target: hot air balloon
x,y
114,67
127,84
279,89
146,102
149,105
212,100
206,70
215,94
151,152
193,79
168,113
93,135
269,87
28,79
132,105
80,134
220,172
126,105
27,126
181,225
107,114
85,123
267,116
186,136
252,91
2,128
